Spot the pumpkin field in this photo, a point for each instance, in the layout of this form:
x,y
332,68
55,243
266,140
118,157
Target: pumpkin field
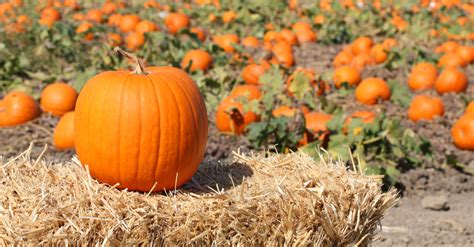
x,y
151,96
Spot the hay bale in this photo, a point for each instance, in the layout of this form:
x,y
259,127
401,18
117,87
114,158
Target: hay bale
x,y
262,199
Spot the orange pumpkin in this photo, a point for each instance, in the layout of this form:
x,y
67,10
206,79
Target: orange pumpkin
x,y
63,136
365,116
127,23
342,58
248,91
469,108
58,98
114,39
425,107
447,47
450,60
199,59
226,41
115,20
94,15
451,80
316,126
201,35
145,27
462,132
306,36
372,89
362,45
109,8
287,36
252,72
229,16
145,150
84,28
422,76
176,21
346,74
378,53
231,118
466,53
251,41
17,108
135,40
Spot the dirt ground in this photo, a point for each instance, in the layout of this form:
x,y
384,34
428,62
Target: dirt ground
x,y
408,224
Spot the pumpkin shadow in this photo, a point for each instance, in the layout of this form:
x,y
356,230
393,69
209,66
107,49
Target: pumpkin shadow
x,y
213,176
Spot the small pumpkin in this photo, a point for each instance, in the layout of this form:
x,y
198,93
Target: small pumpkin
x,y
145,27
251,41
469,108
422,76
366,117
176,21
94,15
451,80
226,41
17,108
462,132
346,74
231,118
58,98
306,36
450,60
378,53
248,91
145,130
229,16
127,23
109,8
199,59
362,45
424,107
342,58
63,136
201,35
371,90
287,36
135,41
252,72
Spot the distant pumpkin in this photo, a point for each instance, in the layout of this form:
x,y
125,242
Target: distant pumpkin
x,y
58,98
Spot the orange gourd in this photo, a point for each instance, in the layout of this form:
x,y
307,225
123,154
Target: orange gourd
x,y
127,23
451,60
134,40
425,107
94,15
370,90
144,130
226,41
63,136
451,80
58,98
231,118
462,132
251,42
145,27
346,74
199,59
423,76
469,108
17,108
252,72
362,45
176,21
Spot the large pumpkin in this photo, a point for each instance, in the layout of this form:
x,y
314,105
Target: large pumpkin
x,y
142,127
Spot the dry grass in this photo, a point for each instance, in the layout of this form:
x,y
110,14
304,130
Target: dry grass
x,y
264,199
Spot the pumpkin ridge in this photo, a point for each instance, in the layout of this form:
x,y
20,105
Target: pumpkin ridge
x,y
157,161
119,166
181,85
163,81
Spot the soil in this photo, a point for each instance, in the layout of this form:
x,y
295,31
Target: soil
x,y
408,224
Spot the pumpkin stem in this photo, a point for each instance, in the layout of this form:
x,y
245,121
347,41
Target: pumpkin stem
x,y
139,68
